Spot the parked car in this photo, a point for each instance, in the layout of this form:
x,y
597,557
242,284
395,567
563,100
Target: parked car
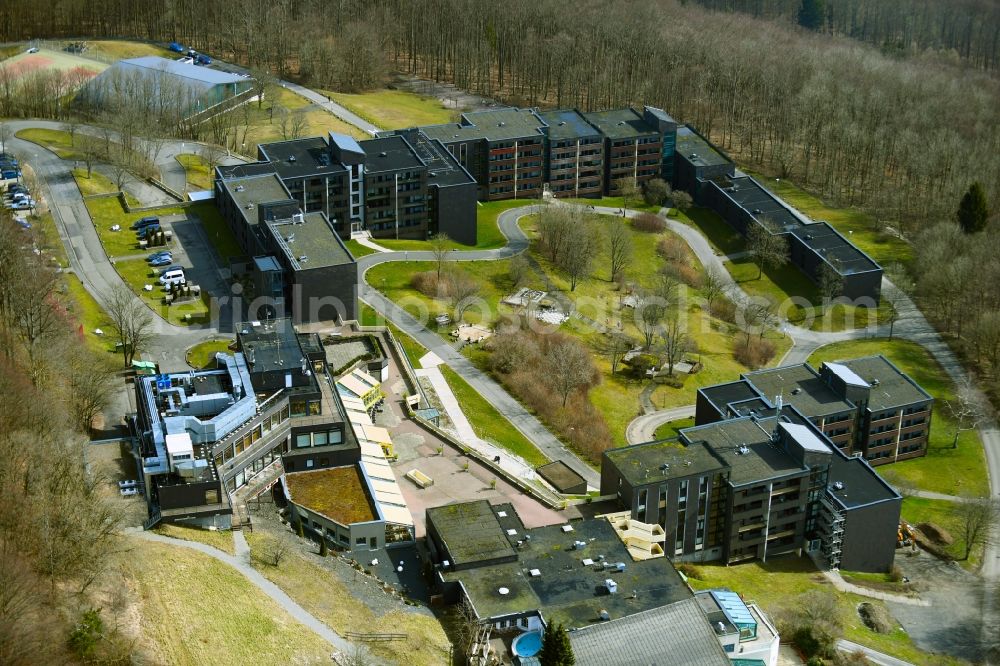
x,y
33,49
7,157
185,60
157,255
145,222
17,187
176,47
24,224
172,276
203,59
22,205
9,174
161,261
148,231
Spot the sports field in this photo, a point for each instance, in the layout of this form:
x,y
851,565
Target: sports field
x,y
79,70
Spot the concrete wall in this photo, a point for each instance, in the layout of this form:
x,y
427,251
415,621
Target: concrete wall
x,y
343,536
870,537
325,293
454,212
187,495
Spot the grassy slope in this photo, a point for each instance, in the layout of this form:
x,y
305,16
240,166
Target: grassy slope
x,y
323,594
196,171
55,140
673,428
220,539
357,249
394,109
265,128
774,586
95,183
197,610
488,423
943,469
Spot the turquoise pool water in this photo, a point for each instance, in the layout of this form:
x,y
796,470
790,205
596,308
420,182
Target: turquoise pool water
x,y
528,644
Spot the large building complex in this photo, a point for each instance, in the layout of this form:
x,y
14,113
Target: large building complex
x,y
865,406
269,409
758,486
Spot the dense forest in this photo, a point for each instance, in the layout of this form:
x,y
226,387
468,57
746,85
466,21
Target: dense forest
x,y
966,29
902,137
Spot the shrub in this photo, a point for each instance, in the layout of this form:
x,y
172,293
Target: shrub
x,y
876,617
673,381
689,570
724,309
649,223
754,355
683,273
673,249
427,284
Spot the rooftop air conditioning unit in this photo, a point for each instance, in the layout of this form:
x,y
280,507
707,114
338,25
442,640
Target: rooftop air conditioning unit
x,y
838,485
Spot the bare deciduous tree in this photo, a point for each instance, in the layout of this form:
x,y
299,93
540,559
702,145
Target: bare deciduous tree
x,y
440,247
518,271
967,407
675,342
977,519
462,288
713,285
91,386
629,191
131,320
766,247
580,249
620,248
568,367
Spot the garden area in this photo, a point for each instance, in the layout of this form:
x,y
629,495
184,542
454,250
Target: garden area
x,y
202,355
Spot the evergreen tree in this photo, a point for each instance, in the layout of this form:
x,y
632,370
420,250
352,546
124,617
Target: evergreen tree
x,y
973,211
556,650
811,14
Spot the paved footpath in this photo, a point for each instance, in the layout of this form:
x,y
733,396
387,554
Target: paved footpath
x,y
241,563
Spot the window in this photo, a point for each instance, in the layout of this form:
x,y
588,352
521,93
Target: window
x,y
302,441
309,463
360,541
211,497
320,438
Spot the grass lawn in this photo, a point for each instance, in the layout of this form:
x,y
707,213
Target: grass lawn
x,y
395,109
47,237
136,273
488,236
225,621
57,141
118,50
322,593
776,584
673,428
203,353
488,423
944,469
221,539
106,212
941,513
357,249
265,126
90,315
95,183
858,226
720,235
367,316
196,171
414,350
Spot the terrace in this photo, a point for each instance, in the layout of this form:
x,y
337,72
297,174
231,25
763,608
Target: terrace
x,y
340,494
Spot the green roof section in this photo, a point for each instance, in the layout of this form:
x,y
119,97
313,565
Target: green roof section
x,y
652,462
505,124
311,243
620,124
471,532
697,150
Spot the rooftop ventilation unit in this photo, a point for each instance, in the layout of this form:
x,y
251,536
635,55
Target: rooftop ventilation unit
x,y
611,585
299,218
694,156
579,545
796,390
303,259
382,154
875,382
838,485
250,206
290,238
604,615
742,450
291,158
720,627
664,467
240,188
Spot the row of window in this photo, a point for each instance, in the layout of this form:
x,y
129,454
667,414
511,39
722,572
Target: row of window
x,y
238,446
320,438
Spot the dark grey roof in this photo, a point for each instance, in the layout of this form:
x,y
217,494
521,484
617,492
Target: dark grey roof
x,y
674,635
762,204
568,124
721,395
620,123
761,460
311,243
690,142
504,124
861,485
814,397
299,158
250,192
565,589
244,170
389,153
839,252
653,462
470,532
443,169
269,345
894,389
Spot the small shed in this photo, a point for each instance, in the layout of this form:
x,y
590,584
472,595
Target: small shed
x,y
561,477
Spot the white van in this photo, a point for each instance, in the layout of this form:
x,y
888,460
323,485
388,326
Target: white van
x,y
172,276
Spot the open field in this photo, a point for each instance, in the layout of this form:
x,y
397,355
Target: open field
x,y
203,353
321,591
197,610
774,586
394,109
116,49
198,175
89,314
941,513
78,70
95,183
945,470
137,274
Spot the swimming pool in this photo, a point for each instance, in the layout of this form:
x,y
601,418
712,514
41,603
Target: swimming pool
x,y
527,644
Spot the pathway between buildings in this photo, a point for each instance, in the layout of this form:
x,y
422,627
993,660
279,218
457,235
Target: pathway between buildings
x,y
241,563
329,105
875,657
463,429
838,582
369,243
